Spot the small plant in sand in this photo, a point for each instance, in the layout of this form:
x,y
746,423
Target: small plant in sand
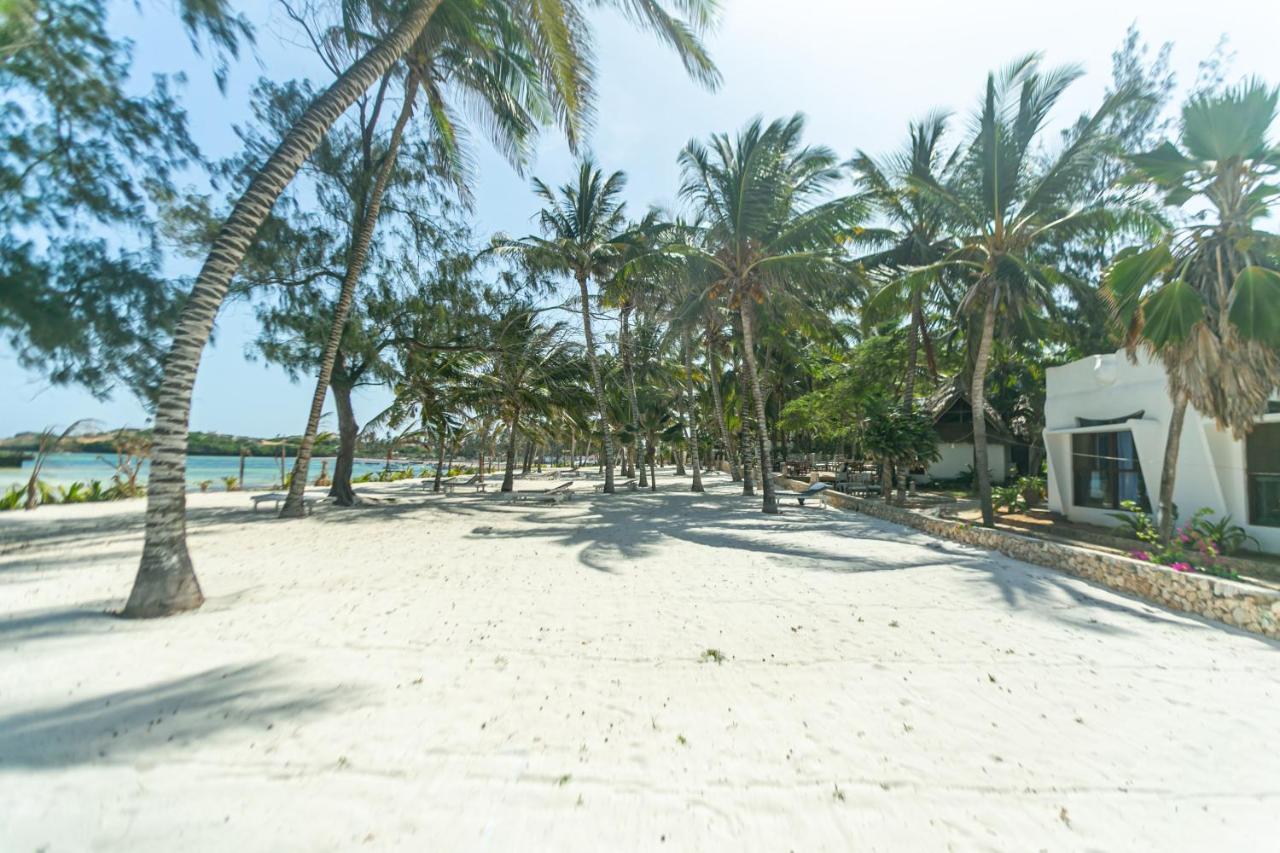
x,y
712,655
232,483
204,485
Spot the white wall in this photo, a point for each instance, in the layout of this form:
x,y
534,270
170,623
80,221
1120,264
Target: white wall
x,y
957,457
1211,464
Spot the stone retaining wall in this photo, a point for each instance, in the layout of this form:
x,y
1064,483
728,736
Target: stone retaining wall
x,y
1241,605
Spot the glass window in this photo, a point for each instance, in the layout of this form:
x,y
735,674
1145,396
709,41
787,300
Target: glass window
x,y
1105,470
1262,452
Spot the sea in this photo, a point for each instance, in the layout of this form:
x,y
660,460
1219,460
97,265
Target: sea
x,y
63,469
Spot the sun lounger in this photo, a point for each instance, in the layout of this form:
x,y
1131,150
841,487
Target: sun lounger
x,y
553,495
629,485
474,480
813,491
277,498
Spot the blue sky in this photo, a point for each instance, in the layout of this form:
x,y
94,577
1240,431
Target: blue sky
x,y
858,71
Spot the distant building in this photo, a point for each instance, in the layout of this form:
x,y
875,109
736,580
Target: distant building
x,y
952,415
1106,424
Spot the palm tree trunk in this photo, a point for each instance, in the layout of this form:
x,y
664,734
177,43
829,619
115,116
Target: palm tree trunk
x,y
166,580
508,479
573,449
691,406
628,369
978,398
444,439
909,383
1169,471
770,504
357,256
744,435
348,432
735,473
597,385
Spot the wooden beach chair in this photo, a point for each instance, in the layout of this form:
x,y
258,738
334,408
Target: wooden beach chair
x,y
554,495
277,498
475,481
629,485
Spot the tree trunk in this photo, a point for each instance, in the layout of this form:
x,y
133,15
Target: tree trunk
x,y
357,256
508,479
744,436
652,454
735,472
243,453
435,486
348,432
691,407
573,449
770,504
978,398
628,369
166,580
909,382
528,459
1169,471
597,385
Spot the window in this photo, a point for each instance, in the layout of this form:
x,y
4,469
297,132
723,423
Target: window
x,y
1262,461
1105,470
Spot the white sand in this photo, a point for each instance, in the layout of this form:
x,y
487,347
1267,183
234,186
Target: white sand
x,y
464,674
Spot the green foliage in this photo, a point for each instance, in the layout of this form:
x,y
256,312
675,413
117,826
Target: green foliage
x,y
1195,546
231,483
13,498
78,151
1227,536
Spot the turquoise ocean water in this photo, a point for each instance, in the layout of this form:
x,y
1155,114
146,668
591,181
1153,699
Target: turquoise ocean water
x,y
63,469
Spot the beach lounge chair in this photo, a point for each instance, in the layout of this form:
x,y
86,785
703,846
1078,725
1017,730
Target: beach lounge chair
x,y
814,490
277,498
474,481
629,485
554,495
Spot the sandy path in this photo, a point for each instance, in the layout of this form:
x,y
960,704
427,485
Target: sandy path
x,y
464,674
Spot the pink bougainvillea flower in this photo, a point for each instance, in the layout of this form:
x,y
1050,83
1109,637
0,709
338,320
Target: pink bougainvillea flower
x,y
1140,555
1182,567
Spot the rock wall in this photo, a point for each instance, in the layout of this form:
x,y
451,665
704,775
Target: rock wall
x,y
1241,605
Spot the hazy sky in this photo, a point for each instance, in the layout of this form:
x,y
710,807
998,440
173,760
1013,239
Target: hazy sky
x,y
859,71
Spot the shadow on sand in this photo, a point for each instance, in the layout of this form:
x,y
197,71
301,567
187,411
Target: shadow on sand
x,y
125,725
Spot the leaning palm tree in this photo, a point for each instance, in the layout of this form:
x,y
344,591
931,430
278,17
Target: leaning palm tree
x,y
467,55
557,32
583,235
767,237
1205,298
1009,202
166,581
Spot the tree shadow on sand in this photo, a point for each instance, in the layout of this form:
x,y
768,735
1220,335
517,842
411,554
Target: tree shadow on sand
x,y
608,533
166,716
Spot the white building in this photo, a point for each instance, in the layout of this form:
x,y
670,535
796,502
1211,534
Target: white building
x,y
1106,424
952,415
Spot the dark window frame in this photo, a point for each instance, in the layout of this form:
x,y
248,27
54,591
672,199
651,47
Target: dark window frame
x,y
1262,474
1102,455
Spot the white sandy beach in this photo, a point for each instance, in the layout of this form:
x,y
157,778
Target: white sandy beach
x,y
461,674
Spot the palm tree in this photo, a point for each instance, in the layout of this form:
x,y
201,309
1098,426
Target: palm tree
x,y
1205,298
766,235
914,235
556,32
1010,202
532,373
582,235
